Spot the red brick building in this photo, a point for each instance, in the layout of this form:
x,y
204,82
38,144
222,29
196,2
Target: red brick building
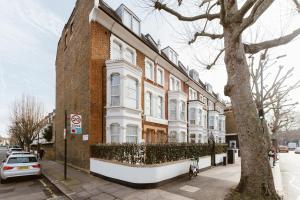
x,y
126,87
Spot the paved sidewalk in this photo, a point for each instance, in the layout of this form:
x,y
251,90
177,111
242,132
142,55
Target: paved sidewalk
x,y
277,180
212,184
81,185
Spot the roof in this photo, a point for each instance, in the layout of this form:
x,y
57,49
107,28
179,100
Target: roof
x,y
148,40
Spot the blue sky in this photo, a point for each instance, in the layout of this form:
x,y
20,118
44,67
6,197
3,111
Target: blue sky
x,y
30,30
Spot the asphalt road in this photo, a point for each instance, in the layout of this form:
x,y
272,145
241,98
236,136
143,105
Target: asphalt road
x,y
27,187
290,172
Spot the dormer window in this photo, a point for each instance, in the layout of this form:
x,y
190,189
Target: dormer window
x,y
171,54
129,19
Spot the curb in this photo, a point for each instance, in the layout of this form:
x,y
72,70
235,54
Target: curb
x,y
59,186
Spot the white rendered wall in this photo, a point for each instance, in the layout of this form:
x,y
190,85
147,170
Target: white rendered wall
x,y
147,174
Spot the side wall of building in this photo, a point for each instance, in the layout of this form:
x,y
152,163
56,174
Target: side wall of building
x,y
72,82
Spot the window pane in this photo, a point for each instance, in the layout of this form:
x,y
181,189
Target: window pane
x,y
192,116
116,50
172,137
115,133
160,107
148,103
173,109
131,134
149,71
127,19
182,110
129,56
159,77
135,26
132,93
115,89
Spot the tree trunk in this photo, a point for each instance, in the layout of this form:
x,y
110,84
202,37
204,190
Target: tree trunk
x,y
256,176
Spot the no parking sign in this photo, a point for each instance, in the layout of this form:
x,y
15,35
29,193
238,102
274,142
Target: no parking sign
x,y
75,121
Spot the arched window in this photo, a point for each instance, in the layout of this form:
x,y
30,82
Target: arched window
x,y
115,133
148,98
115,89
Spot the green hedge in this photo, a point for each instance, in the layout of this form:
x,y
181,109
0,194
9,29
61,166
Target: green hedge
x,y
153,153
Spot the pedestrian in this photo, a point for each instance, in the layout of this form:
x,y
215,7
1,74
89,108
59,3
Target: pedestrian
x,y
272,155
41,153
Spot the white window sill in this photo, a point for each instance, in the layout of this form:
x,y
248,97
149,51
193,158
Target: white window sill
x,y
156,120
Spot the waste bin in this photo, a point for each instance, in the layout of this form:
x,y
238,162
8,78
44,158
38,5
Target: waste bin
x,y
230,155
224,160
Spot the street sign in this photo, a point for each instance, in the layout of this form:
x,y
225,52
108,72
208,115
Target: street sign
x,y
75,122
85,137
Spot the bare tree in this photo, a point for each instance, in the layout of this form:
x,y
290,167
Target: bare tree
x,y
234,17
26,120
275,97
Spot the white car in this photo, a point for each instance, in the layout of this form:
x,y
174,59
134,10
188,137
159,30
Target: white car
x,y
13,150
20,165
20,153
297,150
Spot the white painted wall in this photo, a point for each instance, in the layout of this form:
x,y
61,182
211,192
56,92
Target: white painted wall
x,y
146,174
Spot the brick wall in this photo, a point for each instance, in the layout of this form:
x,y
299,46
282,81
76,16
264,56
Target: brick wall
x,y
72,82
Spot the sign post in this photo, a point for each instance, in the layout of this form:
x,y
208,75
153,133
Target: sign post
x,y
65,138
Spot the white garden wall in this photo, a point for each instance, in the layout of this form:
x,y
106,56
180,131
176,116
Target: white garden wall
x,y
146,174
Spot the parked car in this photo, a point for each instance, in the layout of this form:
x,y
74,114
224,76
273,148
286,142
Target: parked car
x,y
19,165
20,153
13,150
297,150
283,149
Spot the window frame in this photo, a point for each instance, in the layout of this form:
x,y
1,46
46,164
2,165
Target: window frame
x,y
111,89
114,135
136,91
173,110
150,103
151,64
158,68
132,135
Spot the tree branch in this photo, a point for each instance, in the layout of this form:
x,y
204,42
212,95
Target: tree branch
x,y
297,5
204,34
159,6
215,60
254,48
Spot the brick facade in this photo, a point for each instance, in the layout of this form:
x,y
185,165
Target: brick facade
x,y
81,84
